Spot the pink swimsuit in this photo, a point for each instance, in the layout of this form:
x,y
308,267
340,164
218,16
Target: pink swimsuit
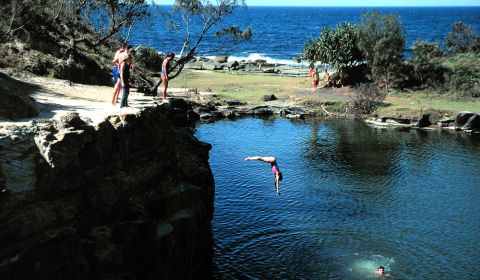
x,y
274,169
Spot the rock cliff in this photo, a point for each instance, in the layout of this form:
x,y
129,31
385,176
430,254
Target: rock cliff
x,y
129,198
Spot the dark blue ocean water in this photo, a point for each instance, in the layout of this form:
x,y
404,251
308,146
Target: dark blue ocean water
x,y
279,33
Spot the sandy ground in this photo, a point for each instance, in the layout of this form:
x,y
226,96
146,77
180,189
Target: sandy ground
x,y
93,103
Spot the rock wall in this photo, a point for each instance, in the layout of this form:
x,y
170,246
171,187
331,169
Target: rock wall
x,y
131,198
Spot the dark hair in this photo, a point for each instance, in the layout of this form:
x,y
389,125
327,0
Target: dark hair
x,y
381,267
280,176
172,55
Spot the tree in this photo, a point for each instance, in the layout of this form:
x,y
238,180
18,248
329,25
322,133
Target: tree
x,y
207,14
426,64
92,22
381,39
462,38
337,47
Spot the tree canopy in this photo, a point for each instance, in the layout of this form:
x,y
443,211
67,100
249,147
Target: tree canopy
x,y
337,47
382,40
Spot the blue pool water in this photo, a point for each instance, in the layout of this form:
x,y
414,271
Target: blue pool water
x,y
353,198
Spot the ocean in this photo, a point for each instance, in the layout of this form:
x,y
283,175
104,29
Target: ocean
x,y
279,33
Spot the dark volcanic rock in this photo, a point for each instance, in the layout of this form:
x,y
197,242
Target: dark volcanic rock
x,y
129,199
462,119
423,121
269,97
473,123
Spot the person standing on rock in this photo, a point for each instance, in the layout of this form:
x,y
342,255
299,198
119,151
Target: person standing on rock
x,y
125,79
275,169
116,73
164,74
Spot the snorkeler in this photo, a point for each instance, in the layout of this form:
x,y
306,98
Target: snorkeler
x,y
275,169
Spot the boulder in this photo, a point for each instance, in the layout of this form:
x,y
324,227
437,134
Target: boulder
x,y
194,66
231,115
212,66
446,123
260,111
270,70
473,123
423,121
269,97
235,102
462,119
206,116
221,59
232,64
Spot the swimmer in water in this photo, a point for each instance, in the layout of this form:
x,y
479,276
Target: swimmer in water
x,y
275,170
381,271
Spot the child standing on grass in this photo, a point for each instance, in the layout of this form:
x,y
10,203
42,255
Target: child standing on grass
x,y
315,77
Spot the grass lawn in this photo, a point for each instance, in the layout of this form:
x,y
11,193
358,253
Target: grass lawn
x,y
251,87
241,86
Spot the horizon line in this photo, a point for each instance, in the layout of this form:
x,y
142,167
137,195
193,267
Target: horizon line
x,y
357,6
367,6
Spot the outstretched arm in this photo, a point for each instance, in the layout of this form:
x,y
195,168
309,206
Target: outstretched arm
x,y
265,159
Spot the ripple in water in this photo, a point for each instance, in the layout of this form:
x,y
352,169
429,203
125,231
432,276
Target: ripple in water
x,y
353,198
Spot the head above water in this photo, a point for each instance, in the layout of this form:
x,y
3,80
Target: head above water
x,y
381,269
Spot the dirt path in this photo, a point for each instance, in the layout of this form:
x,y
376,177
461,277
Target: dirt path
x,y
93,103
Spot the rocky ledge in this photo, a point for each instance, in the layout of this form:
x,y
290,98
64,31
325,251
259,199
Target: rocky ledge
x,y
468,122
258,66
128,198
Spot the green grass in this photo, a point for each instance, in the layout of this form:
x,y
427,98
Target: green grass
x,y
242,86
420,101
251,87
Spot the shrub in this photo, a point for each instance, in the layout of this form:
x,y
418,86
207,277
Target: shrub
x,y
425,62
149,59
366,99
465,81
462,38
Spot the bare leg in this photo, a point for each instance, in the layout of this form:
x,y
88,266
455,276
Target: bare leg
x,y
277,185
116,92
164,86
265,159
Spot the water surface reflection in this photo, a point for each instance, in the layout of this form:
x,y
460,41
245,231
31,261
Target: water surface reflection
x,y
353,198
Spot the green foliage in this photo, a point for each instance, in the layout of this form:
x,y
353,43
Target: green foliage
x,y
462,38
235,33
426,63
381,39
465,81
336,47
149,59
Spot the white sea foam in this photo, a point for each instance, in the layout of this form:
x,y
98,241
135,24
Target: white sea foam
x,y
257,56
